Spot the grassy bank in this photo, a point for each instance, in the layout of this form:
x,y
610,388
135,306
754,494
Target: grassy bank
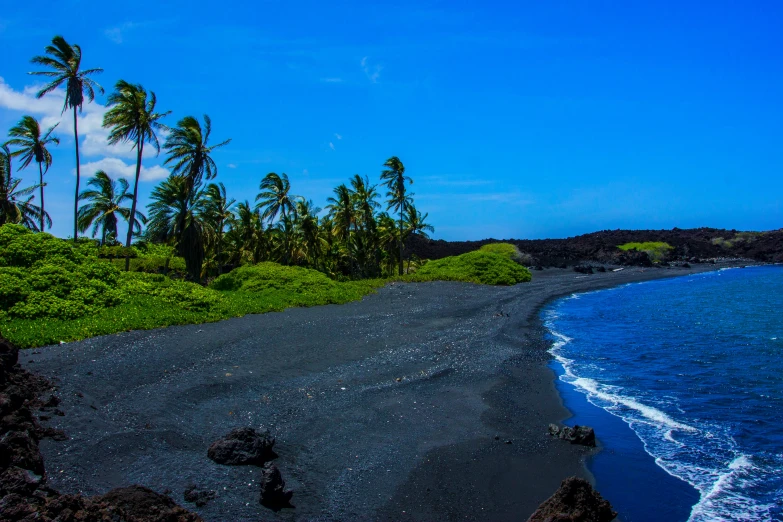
x,y
53,291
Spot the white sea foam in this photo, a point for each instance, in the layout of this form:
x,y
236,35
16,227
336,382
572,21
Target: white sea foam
x,y
725,499
722,484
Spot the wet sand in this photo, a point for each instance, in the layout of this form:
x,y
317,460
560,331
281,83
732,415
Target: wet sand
x,y
423,401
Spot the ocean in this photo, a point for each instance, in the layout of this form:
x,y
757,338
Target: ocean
x,y
682,380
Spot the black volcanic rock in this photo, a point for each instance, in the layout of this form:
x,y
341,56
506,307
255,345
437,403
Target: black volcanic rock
x,y
273,492
601,247
582,435
574,501
243,446
24,493
198,496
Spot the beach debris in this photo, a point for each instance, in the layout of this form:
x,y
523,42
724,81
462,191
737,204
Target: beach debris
x,y
243,446
583,435
574,501
273,493
198,496
618,269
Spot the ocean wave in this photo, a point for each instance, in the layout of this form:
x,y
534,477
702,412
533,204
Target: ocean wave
x,y
726,499
681,448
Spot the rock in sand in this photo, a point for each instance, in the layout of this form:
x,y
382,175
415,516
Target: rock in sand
x,y
574,501
583,435
273,492
243,446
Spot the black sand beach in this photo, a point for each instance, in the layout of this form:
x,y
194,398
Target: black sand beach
x,y
424,401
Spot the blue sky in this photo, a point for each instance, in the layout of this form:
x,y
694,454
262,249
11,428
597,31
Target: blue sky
x,y
518,119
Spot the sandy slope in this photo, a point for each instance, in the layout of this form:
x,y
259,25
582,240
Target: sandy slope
x,y
354,442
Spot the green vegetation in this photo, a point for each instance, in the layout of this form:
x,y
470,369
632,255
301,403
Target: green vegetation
x,y
474,267
53,290
64,64
509,250
287,252
738,239
656,250
208,230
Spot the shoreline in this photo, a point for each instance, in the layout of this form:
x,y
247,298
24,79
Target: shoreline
x,y
353,440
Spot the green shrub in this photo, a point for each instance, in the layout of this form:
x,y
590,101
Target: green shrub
x,y
474,267
509,250
117,251
656,250
22,249
14,286
272,276
53,290
188,296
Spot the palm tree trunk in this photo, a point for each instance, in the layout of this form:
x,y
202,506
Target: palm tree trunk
x,y
400,241
76,199
40,180
219,241
139,151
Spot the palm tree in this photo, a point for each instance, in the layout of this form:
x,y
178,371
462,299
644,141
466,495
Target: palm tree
x,y
417,224
341,209
65,61
388,239
176,215
307,222
247,235
132,117
275,197
218,210
15,203
189,150
32,146
394,178
364,196
105,204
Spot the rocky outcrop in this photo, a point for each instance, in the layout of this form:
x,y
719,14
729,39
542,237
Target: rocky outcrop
x,y
198,496
243,446
273,492
24,493
574,501
692,245
582,435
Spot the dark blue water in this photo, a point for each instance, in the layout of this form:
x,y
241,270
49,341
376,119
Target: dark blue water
x,y
683,380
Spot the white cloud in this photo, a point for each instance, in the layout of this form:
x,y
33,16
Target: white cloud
x,y
373,72
116,34
117,168
92,135
231,166
331,145
338,136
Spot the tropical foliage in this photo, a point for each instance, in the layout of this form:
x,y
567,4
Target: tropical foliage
x,y
132,118
16,203
474,267
105,205
64,62
268,252
32,145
